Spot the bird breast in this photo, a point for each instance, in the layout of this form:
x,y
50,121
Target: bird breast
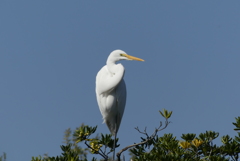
x,y
106,81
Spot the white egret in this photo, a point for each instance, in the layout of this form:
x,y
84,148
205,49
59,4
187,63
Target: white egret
x,y
111,91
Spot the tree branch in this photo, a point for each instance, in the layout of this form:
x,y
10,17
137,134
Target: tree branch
x,y
144,142
102,154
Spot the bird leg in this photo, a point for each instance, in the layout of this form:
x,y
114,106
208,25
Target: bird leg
x,y
114,145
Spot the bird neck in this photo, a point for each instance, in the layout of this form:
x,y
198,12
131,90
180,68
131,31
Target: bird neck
x,y
112,67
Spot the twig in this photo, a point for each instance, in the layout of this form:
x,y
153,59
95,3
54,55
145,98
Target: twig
x,y
144,142
103,155
145,131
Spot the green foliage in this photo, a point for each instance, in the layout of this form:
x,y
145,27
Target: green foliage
x,y
165,113
152,147
97,145
192,147
69,139
108,141
168,147
188,137
3,157
68,154
83,132
237,124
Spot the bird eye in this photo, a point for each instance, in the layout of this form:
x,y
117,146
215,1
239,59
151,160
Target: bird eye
x,y
122,55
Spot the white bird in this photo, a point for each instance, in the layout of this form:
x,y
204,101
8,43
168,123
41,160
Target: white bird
x,y
111,90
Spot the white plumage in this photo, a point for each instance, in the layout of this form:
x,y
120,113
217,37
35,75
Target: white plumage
x,y
111,90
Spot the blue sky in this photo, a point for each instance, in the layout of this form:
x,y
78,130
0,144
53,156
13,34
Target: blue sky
x,y
51,51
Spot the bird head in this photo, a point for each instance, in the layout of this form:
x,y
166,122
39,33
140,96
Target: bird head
x,y
117,55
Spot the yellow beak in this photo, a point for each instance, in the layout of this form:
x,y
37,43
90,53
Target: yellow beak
x,y
132,57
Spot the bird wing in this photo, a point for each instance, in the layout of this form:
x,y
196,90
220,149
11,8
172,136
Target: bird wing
x,y
112,105
105,81
111,97
121,96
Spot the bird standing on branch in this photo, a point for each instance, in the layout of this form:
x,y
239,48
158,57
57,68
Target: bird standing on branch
x,y
111,91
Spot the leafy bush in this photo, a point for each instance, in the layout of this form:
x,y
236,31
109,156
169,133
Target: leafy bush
x,y
152,147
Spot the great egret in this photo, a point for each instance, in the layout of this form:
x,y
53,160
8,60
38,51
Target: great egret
x,y
111,91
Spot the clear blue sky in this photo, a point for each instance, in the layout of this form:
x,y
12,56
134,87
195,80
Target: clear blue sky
x,y
51,51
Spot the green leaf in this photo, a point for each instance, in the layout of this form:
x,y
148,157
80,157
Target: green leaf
x,y
188,137
165,113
